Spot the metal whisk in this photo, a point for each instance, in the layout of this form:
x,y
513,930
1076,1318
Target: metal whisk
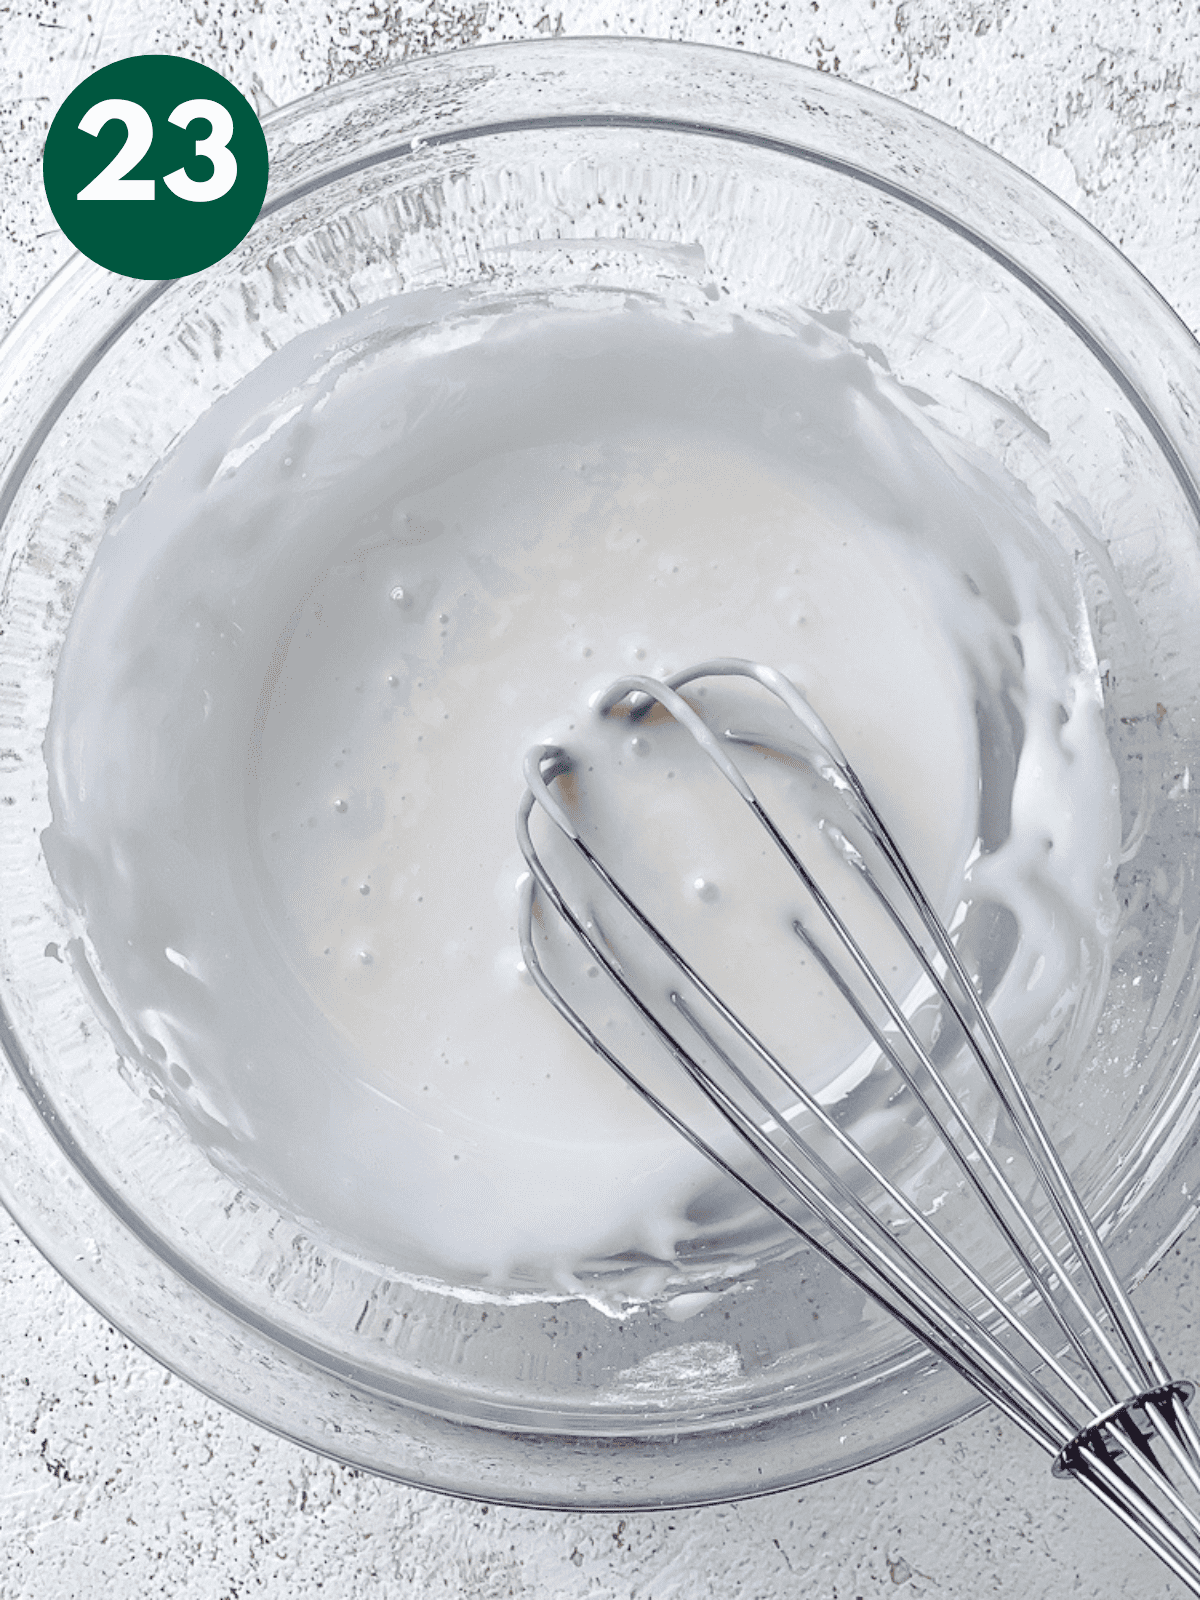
x,y
1009,1282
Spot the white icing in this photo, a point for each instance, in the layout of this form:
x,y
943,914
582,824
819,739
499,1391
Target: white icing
x,y
291,712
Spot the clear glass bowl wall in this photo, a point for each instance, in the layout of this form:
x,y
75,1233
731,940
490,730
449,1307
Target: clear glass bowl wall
x,y
686,174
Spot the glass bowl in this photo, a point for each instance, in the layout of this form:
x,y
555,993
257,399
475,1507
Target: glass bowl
x,y
687,174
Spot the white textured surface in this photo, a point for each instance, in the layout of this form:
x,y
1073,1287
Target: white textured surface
x,y
115,1478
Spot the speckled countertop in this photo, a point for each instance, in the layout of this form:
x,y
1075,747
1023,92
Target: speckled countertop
x,y
116,1479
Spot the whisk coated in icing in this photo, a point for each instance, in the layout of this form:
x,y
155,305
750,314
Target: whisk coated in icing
x,y
1002,1274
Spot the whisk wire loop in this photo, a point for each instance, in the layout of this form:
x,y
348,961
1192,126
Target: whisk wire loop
x,y
1052,1339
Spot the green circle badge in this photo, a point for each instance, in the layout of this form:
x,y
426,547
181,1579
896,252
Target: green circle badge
x,y
155,167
